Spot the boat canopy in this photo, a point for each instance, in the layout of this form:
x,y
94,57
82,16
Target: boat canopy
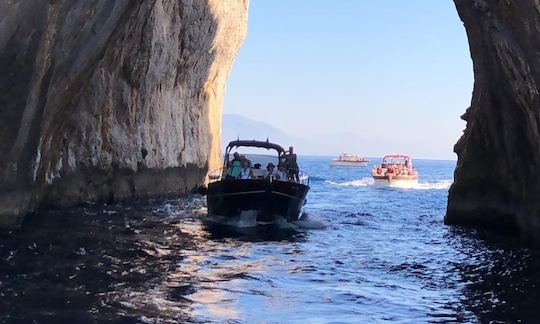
x,y
396,158
350,158
253,143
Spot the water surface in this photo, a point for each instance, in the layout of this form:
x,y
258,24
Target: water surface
x,y
363,254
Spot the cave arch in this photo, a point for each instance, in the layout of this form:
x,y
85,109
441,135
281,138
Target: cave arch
x,y
496,180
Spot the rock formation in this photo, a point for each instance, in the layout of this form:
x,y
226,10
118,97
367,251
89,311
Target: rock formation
x,y
107,100
497,180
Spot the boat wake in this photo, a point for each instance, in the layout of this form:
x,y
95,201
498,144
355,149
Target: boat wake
x,y
248,219
307,222
245,219
364,182
439,185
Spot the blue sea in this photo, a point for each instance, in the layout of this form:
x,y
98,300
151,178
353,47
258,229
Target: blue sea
x,y
361,254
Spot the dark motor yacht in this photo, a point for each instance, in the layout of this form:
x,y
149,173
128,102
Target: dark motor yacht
x,y
229,194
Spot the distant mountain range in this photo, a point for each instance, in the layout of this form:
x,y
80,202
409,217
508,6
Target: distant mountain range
x,y
329,144
235,126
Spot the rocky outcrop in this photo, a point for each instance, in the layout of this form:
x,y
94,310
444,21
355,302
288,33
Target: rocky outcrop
x,y
107,100
497,180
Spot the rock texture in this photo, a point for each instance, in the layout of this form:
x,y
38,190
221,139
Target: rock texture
x,y
107,100
497,180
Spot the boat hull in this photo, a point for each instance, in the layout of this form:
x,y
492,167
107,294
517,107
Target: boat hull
x,y
396,181
270,199
352,164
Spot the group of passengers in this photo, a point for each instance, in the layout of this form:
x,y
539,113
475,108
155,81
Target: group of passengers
x,y
393,169
399,169
240,168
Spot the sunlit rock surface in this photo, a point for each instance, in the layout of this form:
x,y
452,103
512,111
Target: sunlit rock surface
x,y
497,180
107,100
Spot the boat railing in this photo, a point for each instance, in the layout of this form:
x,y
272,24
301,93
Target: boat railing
x,y
221,174
217,175
303,178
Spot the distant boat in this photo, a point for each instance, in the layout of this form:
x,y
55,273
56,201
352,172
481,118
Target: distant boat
x,y
395,171
349,160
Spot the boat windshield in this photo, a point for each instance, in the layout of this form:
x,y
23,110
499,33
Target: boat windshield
x,y
256,160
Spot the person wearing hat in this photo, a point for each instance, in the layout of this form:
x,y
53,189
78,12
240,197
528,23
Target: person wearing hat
x,y
272,172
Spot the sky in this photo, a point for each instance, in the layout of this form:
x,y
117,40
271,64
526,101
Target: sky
x,y
395,74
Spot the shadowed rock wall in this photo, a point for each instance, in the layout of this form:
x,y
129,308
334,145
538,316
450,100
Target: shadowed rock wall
x,y
107,100
497,180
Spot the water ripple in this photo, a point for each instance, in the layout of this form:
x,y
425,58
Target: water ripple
x,y
360,254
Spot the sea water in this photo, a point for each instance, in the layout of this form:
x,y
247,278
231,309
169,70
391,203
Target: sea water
x,y
360,253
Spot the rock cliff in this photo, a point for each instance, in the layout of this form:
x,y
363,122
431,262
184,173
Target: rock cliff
x,y
497,181
108,100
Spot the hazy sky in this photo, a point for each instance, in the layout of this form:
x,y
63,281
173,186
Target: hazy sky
x,y
395,73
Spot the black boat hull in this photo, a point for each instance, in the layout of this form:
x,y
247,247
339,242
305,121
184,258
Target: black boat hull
x,y
268,198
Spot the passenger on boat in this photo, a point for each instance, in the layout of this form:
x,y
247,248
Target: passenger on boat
x,y
291,164
272,172
243,157
245,172
282,169
257,172
236,166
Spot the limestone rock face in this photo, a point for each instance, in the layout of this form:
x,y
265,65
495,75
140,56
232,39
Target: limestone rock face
x,y
497,180
104,100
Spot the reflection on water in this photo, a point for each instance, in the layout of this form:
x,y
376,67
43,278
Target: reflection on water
x,y
75,265
501,279
362,254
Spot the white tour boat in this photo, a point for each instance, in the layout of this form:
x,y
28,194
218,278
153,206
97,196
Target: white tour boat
x,y
395,171
350,160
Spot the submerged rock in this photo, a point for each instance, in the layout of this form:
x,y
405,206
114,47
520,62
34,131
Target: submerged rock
x,y
107,100
497,180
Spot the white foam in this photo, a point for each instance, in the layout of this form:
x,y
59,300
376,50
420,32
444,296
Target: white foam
x,y
309,222
439,185
247,218
364,182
